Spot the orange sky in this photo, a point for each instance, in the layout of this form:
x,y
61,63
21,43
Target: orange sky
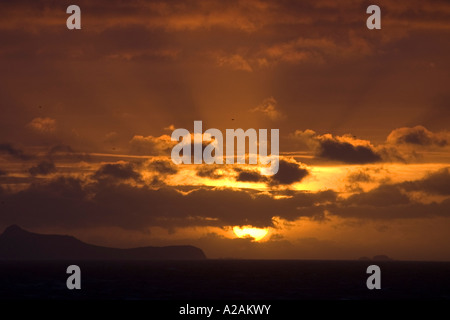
x,y
363,116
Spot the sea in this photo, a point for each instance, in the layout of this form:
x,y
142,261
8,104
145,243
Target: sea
x,y
172,285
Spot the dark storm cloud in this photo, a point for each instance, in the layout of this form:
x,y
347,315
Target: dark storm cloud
x,y
346,152
249,176
71,202
402,145
382,196
392,201
117,171
164,167
393,208
208,172
434,183
418,135
360,176
288,173
42,168
9,149
405,211
344,148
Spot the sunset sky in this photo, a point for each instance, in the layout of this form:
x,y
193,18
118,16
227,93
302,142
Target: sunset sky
x,y
87,115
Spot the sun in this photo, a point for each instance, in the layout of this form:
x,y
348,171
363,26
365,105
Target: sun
x,y
249,231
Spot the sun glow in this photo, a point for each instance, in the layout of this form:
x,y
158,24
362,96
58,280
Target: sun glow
x,y
249,231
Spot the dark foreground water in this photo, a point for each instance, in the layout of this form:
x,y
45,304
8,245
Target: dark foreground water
x,y
225,280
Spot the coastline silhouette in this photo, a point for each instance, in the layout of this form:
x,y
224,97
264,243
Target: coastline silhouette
x,y
19,244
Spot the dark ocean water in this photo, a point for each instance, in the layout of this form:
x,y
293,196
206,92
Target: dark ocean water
x,y
225,280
